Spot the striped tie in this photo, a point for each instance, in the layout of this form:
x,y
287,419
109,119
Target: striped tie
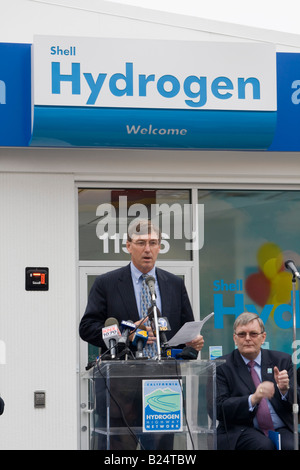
x,y
149,350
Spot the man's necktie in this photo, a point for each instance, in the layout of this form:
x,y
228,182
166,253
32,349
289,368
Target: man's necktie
x,y
150,350
263,414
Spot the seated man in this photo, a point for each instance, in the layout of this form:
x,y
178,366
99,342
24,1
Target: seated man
x,y
254,391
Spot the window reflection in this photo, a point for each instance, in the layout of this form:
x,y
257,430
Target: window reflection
x,y
248,235
104,215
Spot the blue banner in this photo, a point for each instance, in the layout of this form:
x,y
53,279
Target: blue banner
x,y
15,94
55,126
152,128
287,135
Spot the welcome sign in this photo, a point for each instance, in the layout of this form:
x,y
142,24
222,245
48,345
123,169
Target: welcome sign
x,y
152,93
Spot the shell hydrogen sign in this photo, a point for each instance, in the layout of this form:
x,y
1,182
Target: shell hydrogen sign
x,y
125,93
171,94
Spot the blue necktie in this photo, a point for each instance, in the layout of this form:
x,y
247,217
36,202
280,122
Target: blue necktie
x,y
150,350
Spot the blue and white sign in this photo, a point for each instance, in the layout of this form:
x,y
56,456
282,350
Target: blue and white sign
x,y
130,73
15,94
287,135
145,93
124,93
162,406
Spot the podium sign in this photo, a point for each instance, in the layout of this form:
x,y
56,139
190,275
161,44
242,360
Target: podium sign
x,y
162,405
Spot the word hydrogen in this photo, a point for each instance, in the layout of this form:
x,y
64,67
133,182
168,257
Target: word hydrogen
x,y
197,89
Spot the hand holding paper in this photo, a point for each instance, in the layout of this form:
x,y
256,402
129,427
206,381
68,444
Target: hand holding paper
x,y
197,343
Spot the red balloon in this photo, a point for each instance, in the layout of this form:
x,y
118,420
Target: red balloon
x,y
258,288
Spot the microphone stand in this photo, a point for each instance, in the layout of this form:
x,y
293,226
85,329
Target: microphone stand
x,y
295,402
154,310
126,352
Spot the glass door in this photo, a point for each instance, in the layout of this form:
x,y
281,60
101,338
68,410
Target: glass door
x,y
103,218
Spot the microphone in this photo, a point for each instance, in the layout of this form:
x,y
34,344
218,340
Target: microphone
x,y
289,264
111,335
127,327
163,326
150,281
139,341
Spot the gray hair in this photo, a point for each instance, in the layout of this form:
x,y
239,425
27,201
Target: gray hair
x,y
247,317
142,227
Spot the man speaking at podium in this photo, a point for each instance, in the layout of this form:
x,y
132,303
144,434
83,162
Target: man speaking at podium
x,y
118,294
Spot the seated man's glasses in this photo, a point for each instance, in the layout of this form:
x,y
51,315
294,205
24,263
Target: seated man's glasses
x,y
252,334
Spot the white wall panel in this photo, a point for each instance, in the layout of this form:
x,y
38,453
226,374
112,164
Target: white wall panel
x,y
38,214
155,166
39,328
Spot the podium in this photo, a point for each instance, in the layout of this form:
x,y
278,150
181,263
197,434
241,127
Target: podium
x,y
153,405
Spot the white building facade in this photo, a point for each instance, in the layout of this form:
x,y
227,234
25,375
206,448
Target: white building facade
x,y
238,189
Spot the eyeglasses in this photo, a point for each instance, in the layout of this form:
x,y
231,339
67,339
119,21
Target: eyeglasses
x,y
252,334
143,243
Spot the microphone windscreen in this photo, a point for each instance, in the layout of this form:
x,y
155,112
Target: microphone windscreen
x,y
127,325
141,336
111,321
150,281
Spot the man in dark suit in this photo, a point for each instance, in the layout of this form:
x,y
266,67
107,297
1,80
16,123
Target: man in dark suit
x,y
239,399
116,294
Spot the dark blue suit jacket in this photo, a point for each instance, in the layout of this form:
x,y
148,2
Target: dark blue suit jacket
x,y
234,385
112,295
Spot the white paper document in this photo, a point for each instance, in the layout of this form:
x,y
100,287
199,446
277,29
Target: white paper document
x,y
188,332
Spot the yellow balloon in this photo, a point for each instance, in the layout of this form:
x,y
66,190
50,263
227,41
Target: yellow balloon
x,y
270,268
269,259
281,287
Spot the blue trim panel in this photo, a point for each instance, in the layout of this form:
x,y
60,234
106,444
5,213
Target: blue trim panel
x,y
15,95
152,128
287,135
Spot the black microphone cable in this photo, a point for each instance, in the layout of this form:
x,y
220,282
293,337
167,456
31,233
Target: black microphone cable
x,y
183,403
96,365
131,432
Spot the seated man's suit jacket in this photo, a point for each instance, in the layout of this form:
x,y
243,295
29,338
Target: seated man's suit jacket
x,y
234,385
